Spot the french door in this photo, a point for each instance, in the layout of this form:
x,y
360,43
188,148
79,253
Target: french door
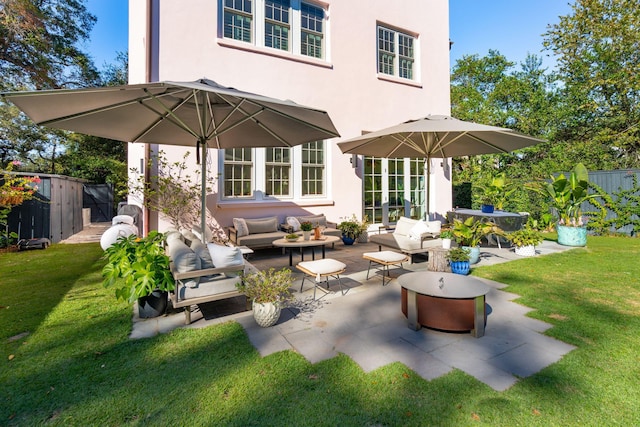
x,y
393,188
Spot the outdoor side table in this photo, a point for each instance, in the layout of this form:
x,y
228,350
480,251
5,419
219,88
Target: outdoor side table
x,y
444,301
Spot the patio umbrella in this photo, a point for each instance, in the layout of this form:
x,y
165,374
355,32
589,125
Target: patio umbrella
x,y
436,137
202,114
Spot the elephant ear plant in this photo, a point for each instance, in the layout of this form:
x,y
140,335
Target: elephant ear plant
x,y
566,195
136,267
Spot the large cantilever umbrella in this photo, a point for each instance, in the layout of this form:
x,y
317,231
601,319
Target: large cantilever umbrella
x,y
202,114
436,137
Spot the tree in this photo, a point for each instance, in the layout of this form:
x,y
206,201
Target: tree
x,y
598,52
38,44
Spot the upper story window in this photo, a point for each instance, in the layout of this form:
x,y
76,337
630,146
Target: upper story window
x,y
396,53
238,20
294,26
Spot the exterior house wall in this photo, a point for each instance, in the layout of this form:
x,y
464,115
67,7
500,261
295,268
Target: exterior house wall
x,y
186,44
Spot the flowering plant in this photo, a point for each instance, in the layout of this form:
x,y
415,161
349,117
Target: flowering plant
x,y
306,226
17,189
267,286
14,190
137,266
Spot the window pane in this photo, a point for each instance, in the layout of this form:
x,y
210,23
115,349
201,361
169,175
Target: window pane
x,y
312,18
238,20
238,172
396,54
277,171
276,25
313,168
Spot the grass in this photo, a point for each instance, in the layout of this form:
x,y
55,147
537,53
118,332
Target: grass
x,y
73,364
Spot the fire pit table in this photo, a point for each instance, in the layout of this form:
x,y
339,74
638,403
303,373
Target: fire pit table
x,y
445,301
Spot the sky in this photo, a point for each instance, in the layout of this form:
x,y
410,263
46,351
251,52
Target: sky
x,y
512,27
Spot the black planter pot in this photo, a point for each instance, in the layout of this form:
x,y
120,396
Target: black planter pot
x,y
153,305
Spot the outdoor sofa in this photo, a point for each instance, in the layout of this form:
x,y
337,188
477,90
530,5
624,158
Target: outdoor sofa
x,y
257,233
410,236
203,272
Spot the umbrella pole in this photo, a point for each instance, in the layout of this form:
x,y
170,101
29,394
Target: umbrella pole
x,y
203,190
428,187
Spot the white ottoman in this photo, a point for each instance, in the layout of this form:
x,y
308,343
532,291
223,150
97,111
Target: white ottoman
x,y
319,269
385,259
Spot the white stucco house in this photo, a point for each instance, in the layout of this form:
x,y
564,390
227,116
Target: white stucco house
x,y
369,63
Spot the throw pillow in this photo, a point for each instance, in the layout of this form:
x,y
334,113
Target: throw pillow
x,y
319,219
294,223
207,233
241,227
225,256
416,231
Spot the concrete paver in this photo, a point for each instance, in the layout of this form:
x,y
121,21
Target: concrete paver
x,y
367,324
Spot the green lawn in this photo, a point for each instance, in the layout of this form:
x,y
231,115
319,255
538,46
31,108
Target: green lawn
x,y
72,363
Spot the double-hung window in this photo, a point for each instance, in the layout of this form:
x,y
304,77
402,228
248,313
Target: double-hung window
x,y
276,24
282,173
238,20
396,53
293,26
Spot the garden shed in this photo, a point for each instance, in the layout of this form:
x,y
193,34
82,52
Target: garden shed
x,y
55,213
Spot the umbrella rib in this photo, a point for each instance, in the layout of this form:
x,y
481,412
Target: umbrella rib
x,y
280,113
100,109
167,115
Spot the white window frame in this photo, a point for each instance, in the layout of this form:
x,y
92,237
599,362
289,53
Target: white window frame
x,y
398,56
258,30
259,177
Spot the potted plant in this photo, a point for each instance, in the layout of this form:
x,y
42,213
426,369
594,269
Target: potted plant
x,y
269,291
292,237
469,233
351,229
525,240
446,235
566,195
494,193
138,269
306,228
459,260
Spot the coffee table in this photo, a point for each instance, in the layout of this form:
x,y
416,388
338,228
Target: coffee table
x,y
301,244
445,301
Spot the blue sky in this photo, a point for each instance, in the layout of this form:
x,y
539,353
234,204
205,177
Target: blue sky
x,y
512,27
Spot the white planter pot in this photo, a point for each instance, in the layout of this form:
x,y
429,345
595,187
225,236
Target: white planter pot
x,y
266,314
528,250
363,237
446,243
306,235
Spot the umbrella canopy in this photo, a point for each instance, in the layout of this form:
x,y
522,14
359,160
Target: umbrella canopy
x,y
202,113
436,137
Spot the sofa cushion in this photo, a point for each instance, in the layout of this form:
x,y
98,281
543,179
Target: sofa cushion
x,y
263,240
225,256
208,234
294,223
418,229
319,219
241,227
404,226
184,259
262,225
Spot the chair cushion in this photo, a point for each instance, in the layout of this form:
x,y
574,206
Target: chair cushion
x,y
418,229
323,266
319,219
241,227
294,223
385,256
184,259
225,256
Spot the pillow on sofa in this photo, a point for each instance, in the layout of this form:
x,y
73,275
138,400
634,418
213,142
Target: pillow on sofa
x,y
435,226
294,223
416,231
262,225
225,256
208,234
241,227
184,260
319,219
